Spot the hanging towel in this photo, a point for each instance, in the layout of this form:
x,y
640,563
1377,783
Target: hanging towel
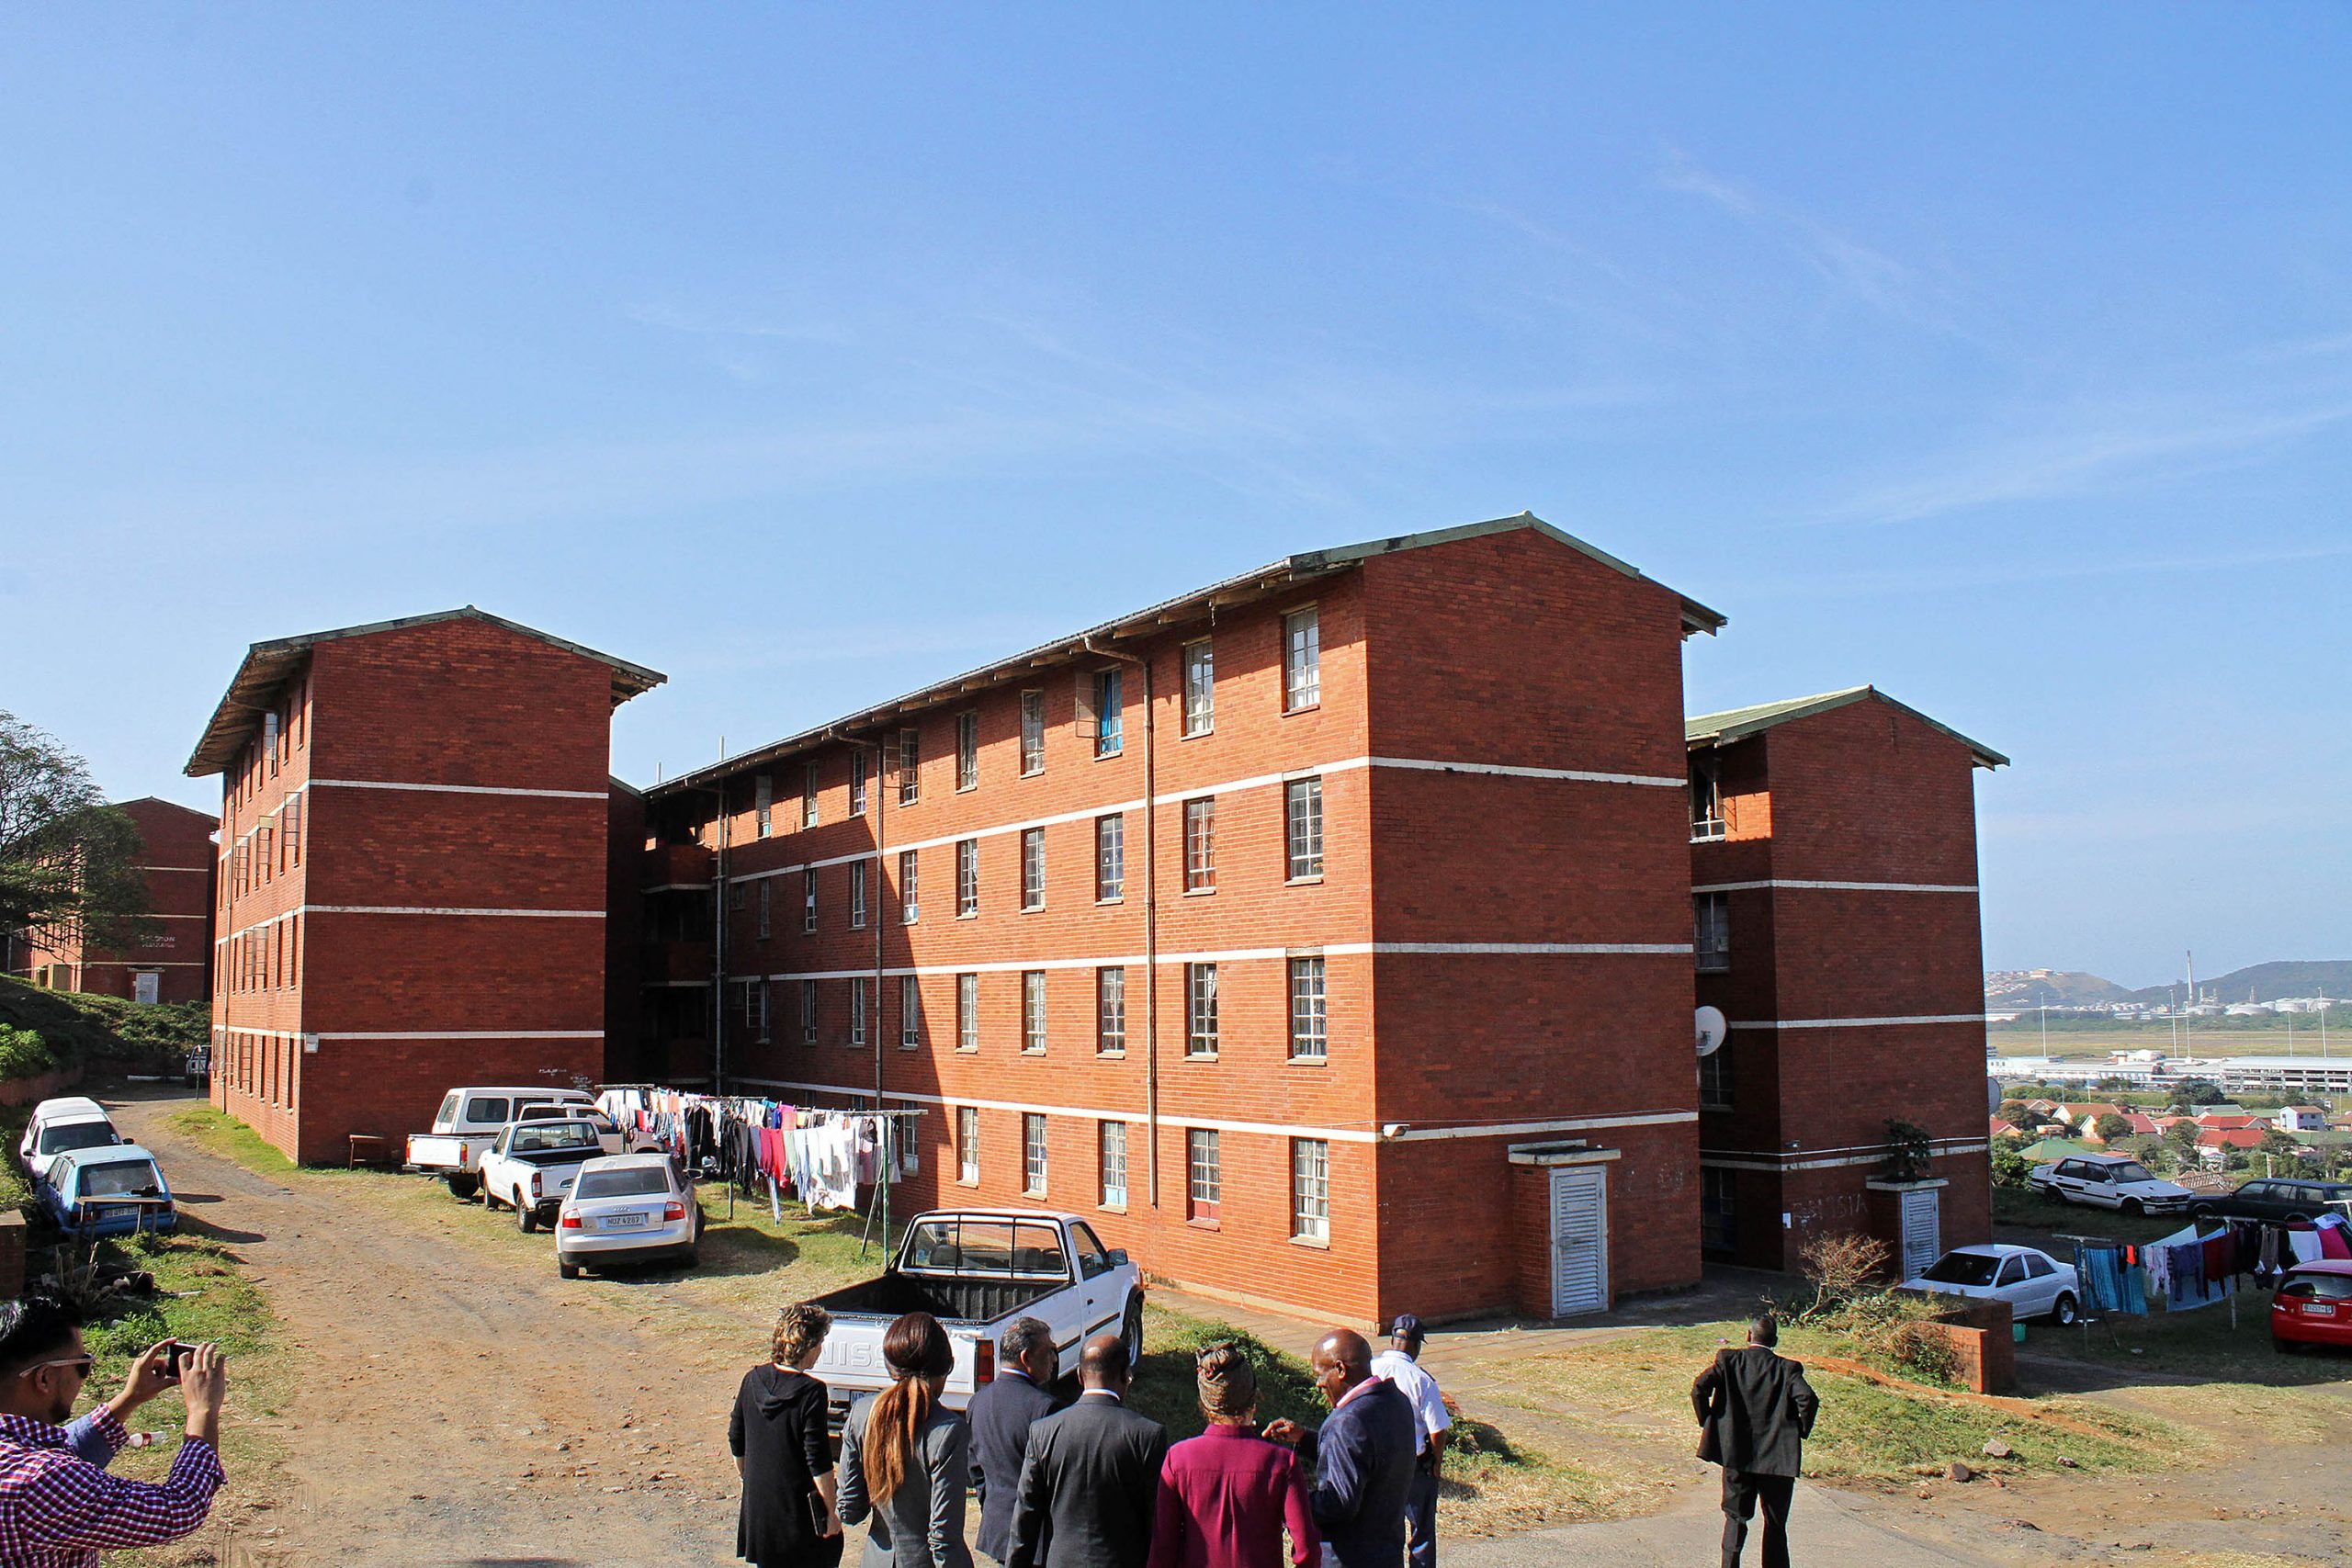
x,y
2304,1246
2332,1243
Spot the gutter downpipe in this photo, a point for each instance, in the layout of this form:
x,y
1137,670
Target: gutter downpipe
x,y
1150,921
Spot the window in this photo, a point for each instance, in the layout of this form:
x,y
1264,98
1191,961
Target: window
x,y
858,895
857,782
1033,1010
968,1144
1303,821
1200,687
1706,799
910,1013
755,1009
1302,660
1199,1009
1111,1010
967,1012
763,805
739,895
857,1013
909,766
1110,858
1309,1023
1032,733
910,905
1111,1145
1710,930
1718,1209
967,877
967,750
1200,845
1310,1189
809,795
1202,1179
808,1013
1109,723
294,830
1715,1078
808,899
269,733
767,890
1033,868
1033,1154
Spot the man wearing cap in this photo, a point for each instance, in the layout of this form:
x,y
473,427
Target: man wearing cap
x,y
1401,1364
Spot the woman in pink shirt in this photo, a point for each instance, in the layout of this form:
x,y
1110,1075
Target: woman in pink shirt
x,y
1226,1496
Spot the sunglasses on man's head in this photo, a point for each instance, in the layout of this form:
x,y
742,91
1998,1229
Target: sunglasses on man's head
x,y
81,1365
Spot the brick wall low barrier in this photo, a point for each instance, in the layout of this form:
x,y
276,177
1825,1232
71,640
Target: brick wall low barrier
x,y
1985,1345
27,1091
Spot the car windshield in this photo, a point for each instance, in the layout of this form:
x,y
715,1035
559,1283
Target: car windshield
x,y
78,1135
2324,1287
2130,1170
124,1178
547,1135
1963,1268
635,1182
988,1247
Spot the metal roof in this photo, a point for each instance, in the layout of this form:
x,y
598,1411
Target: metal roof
x,y
268,665
1199,604
1710,730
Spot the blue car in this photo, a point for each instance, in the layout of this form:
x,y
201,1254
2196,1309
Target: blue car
x,y
108,1192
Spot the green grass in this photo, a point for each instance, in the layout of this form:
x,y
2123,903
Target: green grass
x,y
221,1133
77,1027
2030,1211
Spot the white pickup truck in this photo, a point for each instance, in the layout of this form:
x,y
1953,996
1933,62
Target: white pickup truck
x,y
531,1166
975,1271
469,1122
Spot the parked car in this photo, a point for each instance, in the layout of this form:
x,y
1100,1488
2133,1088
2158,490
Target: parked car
x,y
2034,1283
469,1122
110,1190
2312,1305
2280,1198
196,1067
975,1271
2108,1182
531,1165
627,1209
59,1126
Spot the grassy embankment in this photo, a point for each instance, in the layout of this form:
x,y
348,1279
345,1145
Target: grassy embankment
x,y
74,1027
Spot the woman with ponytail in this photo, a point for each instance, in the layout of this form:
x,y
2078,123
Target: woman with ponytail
x,y
906,1458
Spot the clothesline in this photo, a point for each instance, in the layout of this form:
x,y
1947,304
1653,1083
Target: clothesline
x,y
2188,1270
822,1155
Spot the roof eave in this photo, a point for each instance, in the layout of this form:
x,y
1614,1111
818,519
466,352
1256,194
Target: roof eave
x,y
1698,736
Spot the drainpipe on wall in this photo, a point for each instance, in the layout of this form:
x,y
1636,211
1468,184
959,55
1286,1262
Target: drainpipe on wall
x,y
1150,923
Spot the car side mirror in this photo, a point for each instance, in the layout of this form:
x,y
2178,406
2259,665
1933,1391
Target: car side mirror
x,y
1117,1255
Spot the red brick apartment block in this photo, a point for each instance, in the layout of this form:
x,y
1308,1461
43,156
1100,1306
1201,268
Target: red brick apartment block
x,y
414,841
174,964
1833,859
1322,935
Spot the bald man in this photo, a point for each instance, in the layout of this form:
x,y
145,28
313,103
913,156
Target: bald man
x,y
1362,1456
1090,1481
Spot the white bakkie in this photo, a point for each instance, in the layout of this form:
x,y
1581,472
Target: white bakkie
x,y
532,1165
469,1122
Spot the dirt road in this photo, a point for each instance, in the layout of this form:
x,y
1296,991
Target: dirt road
x,y
589,1433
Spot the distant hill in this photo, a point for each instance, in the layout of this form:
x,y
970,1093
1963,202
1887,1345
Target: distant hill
x,y
2265,982
2060,988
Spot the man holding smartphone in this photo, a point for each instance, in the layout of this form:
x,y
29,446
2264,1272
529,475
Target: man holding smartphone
x,y
59,1508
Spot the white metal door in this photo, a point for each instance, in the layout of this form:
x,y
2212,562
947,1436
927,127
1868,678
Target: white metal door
x,y
1922,1232
1579,1240
146,987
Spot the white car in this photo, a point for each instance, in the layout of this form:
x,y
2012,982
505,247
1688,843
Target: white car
x,y
2034,1283
2108,1182
626,1208
62,1126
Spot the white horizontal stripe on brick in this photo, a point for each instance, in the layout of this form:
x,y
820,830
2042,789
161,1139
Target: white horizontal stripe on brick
x,y
153,917
1876,1151
1568,1124
170,868
463,1034
1535,949
141,964
1498,770
1242,955
1831,1163
1838,886
1857,1023
461,789
692,886
424,909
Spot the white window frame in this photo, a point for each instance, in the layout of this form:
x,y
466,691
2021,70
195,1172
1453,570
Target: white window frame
x,y
1200,688
1033,868
967,1144
1310,1009
808,1013
1200,1010
909,766
1036,1153
967,749
1303,659
967,1011
808,899
1204,1174
910,891
808,793
1111,858
1110,713
1200,847
910,1013
857,781
764,804
1111,1010
1032,733
967,878
1310,1191
857,1011
857,878
1111,1164
1710,932
1032,1012
1303,828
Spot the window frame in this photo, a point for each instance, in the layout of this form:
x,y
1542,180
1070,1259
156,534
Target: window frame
x,y
1110,714
967,1144
1302,678
1315,1044
1302,823
1201,1039
1106,1134
1110,1010
1200,844
857,781
1711,916
1032,869
1036,1154
859,877
1111,858
967,878
967,749
809,810
808,900
910,1021
1033,732
910,887
909,766
1198,717
967,1011
1033,1016
1310,1191
1203,1171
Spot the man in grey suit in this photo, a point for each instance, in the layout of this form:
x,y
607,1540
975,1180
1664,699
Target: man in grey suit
x,y
1754,1411
1090,1483
1001,1414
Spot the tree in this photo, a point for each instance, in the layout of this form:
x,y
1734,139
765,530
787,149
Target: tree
x,y
2009,1166
68,861
2189,1093
2278,1141
2111,1127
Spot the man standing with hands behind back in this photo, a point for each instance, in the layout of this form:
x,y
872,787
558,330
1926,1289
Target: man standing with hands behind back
x,y
1401,1364
1754,1411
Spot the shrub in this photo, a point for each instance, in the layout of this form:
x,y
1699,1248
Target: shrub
x,y
1918,1347
1842,1268
1908,1151
24,1054
2009,1167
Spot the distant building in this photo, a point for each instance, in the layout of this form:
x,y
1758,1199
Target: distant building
x,y
175,963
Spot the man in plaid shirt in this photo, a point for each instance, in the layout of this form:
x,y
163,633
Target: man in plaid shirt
x,y
57,1509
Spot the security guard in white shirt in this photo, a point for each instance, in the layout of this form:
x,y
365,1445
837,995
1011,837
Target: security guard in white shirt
x,y
1400,1364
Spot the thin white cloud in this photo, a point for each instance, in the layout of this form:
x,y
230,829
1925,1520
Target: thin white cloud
x,y
1874,584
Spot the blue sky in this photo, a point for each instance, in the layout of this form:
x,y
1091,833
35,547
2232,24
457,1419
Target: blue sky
x,y
2001,356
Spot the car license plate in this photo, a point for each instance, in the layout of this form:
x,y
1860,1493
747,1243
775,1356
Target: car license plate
x,y
623,1222
2319,1309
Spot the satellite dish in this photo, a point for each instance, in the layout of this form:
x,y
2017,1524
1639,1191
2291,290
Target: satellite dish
x,y
1711,1030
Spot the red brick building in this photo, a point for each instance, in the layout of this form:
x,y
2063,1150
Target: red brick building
x,y
414,841
1323,933
174,964
1833,864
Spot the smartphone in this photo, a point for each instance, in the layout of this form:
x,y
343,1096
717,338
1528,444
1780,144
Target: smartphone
x,y
176,1357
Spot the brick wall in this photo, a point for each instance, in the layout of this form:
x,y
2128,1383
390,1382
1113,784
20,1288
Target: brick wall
x,y
175,860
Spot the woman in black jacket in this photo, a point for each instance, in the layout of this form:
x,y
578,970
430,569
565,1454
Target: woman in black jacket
x,y
777,1433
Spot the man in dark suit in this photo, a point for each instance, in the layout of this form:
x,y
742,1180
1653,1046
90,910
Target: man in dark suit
x,y
1362,1456
1754,1411
1001,1414
1090,1483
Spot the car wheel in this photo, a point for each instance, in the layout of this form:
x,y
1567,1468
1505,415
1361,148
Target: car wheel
x,y
463,1187
2064,1312
2201,1211
2133,1207
527,1216
569,1271
489,1202
1131,1330
2299,1219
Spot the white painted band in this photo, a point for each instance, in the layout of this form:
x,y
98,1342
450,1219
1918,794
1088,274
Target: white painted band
x,y
462,1034
1838,886
1857,1023
463,789
1238,955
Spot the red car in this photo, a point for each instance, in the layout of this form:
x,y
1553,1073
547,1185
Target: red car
x,y
2314,1305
